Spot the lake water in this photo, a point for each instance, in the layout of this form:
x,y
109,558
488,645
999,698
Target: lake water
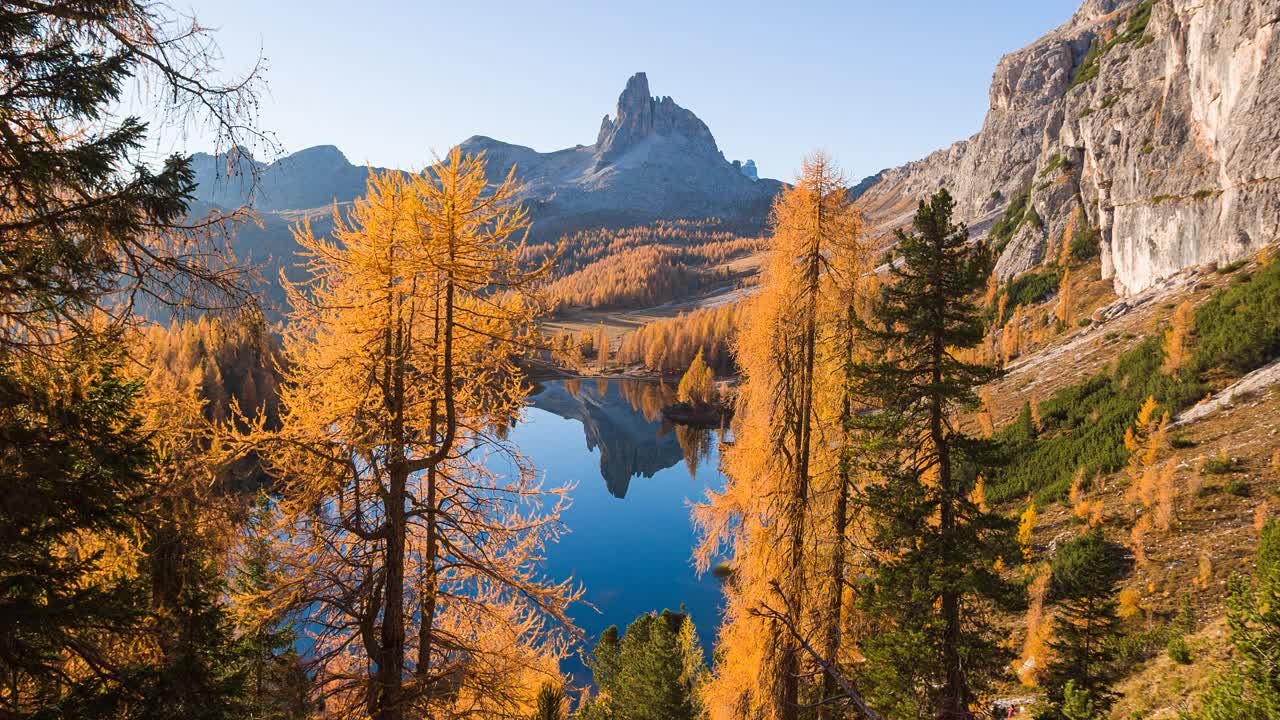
x,y
630,535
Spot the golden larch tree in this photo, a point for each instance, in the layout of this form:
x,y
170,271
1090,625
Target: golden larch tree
x,y
411,531
782,513
1175,338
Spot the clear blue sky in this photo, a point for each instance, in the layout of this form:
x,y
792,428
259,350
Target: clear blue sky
x,y
388,81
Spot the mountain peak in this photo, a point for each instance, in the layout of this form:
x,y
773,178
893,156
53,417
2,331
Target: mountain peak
x,y
640,116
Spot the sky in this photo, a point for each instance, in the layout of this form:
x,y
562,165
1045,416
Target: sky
x,y
390,82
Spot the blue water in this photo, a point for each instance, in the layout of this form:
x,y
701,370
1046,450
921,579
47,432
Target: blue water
x,y
630,535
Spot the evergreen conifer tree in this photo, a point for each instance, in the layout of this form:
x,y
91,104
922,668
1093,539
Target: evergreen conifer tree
x,y
651,673
1085,572
934,579
73,467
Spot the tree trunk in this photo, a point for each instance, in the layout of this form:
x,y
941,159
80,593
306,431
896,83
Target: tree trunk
x,y
955,695
835,601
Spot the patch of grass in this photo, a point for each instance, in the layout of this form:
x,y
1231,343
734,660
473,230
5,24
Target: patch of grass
x,y
1084,322
1231,267
1089,65
1148,149
1204,194
1108,102
1138,20
1162,198
1057,162
1087,112
1239,488
1178,651
1182,442
1142,644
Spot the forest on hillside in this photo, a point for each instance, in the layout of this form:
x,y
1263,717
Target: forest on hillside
x,y
216,518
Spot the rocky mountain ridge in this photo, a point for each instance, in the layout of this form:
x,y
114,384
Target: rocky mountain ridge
x,y
1149,122
312,178
653,160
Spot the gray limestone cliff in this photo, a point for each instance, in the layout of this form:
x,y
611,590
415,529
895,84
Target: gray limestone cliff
x,y
1155,123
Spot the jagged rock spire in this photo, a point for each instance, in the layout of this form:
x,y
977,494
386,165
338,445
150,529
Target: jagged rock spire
x,y
640,115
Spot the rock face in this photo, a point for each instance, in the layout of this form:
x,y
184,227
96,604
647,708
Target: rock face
x,y
1153,122
652,160
640,116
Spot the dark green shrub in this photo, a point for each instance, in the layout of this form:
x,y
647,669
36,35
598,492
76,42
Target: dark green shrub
x,y
1014,215
1221,465
1085,242
1239,488
1134,29
1179,651
1056,162
1030,288
1083,425
1089,66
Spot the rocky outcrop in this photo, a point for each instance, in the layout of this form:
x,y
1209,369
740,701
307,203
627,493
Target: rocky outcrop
x,y
653,161
640,116
1151,122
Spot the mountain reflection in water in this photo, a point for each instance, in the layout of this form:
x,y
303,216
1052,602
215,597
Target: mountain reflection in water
x,y
623,418
630,537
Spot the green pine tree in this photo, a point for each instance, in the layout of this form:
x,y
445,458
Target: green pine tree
x,y
550,702
276,684
651,673
934,584
73,463
202,672
84,208
1080,674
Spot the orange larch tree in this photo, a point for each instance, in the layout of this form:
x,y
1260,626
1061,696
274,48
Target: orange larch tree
x,y
782,513
411,551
